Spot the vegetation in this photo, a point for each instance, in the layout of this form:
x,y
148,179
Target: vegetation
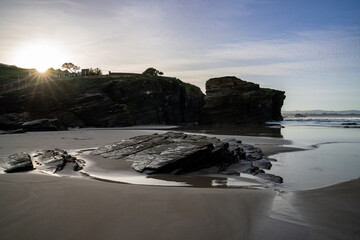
x,y
9,74
70,67
95,72
152,72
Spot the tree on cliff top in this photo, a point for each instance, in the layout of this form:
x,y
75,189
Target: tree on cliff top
x,y
70,67
152,72
95,71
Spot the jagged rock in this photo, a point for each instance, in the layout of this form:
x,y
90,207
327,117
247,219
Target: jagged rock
x,y
230,100
270,177
55,160
252,153
17,162
239,167
262,164
169,153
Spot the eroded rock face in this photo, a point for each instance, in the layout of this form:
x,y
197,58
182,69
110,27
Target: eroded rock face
x,y
17,162
101,102
230,100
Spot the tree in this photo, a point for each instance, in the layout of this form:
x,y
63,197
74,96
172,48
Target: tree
x,y
70,67
95,71
152,72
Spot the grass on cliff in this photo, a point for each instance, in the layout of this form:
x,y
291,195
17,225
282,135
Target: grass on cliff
x,y
9,74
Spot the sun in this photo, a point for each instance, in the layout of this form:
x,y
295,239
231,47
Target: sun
x,y
40,56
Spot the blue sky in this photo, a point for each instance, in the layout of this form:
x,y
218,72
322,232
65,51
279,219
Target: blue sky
x,y
310,49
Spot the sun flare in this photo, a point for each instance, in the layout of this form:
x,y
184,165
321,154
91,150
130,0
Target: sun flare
x,y
40,56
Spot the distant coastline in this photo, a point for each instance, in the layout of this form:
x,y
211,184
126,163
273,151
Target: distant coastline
x,y
324,113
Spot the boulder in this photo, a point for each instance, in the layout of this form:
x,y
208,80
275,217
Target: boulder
x,y
17,162
230,100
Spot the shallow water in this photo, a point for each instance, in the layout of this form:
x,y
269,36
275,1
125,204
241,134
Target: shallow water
x,y
326,165
333,157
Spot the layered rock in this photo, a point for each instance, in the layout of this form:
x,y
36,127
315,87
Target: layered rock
x,y
171,152
100,102
230,100
178,153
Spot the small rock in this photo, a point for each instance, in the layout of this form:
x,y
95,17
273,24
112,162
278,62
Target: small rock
x,y
55,160
17,162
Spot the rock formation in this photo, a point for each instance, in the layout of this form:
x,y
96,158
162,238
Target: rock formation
x,y
230,100
168,153
178,153
57,104
55,160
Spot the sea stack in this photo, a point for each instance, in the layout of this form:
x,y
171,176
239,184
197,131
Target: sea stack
x,y
230,100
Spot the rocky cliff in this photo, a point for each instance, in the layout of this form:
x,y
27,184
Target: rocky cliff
x,y
100,102
230,100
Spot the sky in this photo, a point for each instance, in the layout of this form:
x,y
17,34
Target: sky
x,y
308,48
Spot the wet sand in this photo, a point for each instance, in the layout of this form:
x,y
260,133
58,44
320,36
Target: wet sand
x,y
34,206
44,207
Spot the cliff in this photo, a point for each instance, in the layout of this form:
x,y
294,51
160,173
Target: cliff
x,y
52,104
230,100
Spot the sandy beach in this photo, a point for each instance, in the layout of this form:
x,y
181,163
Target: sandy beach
x,y
39,206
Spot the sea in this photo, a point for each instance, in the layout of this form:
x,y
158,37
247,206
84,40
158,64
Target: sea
x,y
332,152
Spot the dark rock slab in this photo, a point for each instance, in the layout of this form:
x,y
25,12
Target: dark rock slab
x,y
178,153
17,162
169,153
